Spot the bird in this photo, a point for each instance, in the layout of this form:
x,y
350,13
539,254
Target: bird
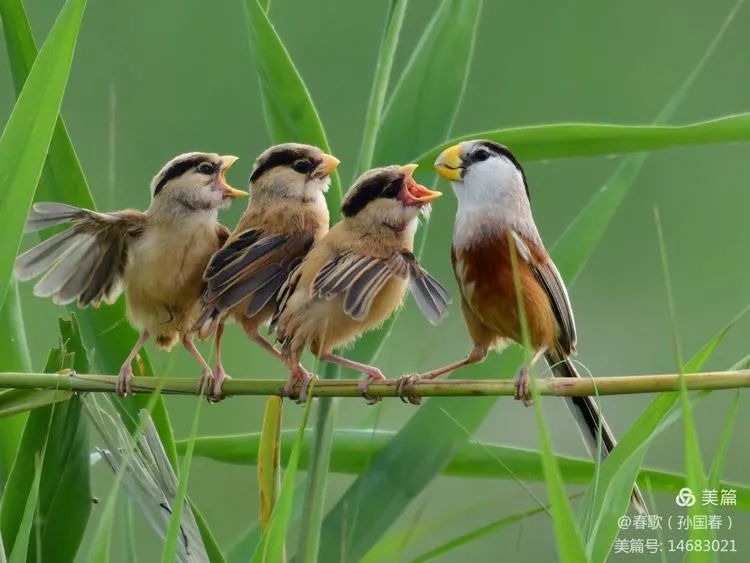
x,y
286,214
156,257
356,276
496,242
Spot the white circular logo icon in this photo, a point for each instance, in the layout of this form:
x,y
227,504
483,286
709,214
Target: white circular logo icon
x,y
685,497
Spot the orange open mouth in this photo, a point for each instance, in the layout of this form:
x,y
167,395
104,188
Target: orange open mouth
x,y
414,193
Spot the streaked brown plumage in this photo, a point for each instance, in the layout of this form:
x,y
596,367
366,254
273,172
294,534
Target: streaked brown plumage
x,y
356,276
495,233
156,257
287,213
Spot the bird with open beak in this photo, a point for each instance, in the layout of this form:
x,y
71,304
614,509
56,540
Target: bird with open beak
x,y
495,243
287,213
156,257
356,276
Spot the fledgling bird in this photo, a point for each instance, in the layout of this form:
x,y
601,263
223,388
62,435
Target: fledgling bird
x,y
156,257
287,213
356,276
493,222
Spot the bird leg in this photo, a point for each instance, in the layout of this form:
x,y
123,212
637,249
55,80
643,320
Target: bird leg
x,y
219,375
126,371
405,385
206,378
523,380
371,373
253,335
298,373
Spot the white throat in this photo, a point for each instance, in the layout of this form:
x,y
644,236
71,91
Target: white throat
x,y
491,198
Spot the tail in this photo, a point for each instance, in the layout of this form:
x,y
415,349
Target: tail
x,y
590,421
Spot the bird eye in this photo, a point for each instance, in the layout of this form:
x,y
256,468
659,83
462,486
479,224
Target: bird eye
x,y
205,168
303,166
393,188
481,154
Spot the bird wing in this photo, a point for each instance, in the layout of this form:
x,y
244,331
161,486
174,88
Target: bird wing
x,y
84,262
254,265
551,280
360,278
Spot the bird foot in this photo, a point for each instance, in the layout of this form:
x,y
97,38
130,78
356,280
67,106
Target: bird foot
x,y
219,377
523,387
205,384
405,388
364,384
304,377
124,380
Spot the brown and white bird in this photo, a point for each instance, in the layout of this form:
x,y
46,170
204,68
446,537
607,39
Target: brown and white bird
x,y
493,223
287,213
356,276
156,257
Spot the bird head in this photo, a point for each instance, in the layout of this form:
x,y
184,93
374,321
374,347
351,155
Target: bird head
x,y
195,181
482,172
388,196
293,171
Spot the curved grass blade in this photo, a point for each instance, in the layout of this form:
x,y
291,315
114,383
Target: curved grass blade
x,y
28,132
15,401
271,547
428,94
383,66
717,468
287,106
573,140
104,330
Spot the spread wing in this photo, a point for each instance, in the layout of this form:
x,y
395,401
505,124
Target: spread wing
x,y
86,261
360,278
549,277
251,265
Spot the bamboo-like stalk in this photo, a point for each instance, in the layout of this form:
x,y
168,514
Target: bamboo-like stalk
x,y
616,385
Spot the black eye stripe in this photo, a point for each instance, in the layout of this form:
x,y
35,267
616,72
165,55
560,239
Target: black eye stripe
x,y
502,150
177,170
369,189
284,156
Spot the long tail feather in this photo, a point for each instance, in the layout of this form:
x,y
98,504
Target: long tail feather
x,y
590,421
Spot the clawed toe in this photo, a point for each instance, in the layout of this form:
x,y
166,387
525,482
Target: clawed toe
x,y
124,380
363,386
405,388
522,390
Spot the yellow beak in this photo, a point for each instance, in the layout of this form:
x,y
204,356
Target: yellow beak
x,y
226,163
417,192
327,166
449,164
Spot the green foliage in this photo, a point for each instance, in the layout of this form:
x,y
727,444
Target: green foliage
x,y
56,440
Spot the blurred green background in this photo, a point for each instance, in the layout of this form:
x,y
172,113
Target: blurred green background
x,y
150,80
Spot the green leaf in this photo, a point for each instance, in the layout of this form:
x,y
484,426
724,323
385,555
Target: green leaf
x,y
14,401
717,468
64,502
14,356
21,547
26,138
269,477
567,535
287,106
271,546
572,140
104,329
426,98
388,44
353,449
174,532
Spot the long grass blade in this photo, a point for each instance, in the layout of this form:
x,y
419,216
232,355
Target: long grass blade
x,y
717,468
21,547
287,106
175,531
28,132
14,354
272,545
269,450
374,113
104,329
